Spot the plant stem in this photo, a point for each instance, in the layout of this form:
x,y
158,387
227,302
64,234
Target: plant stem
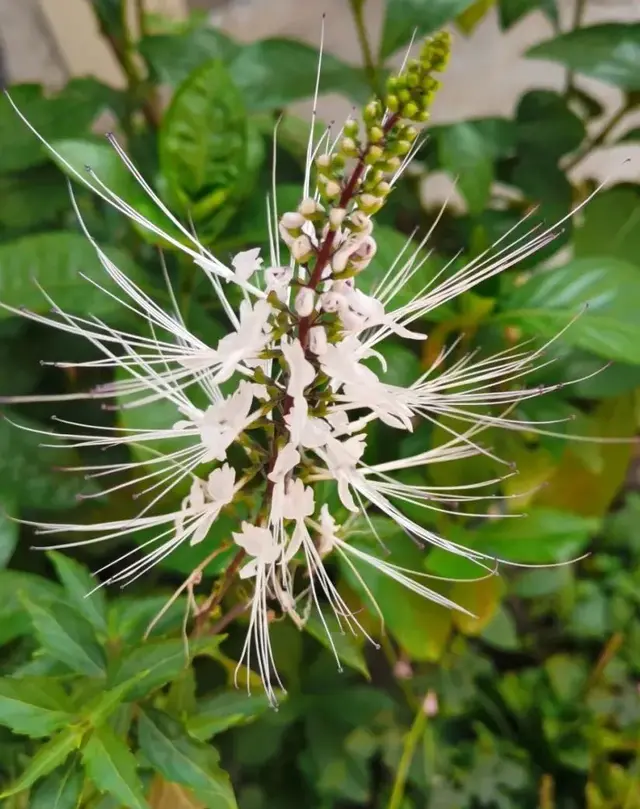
x,y
408,750
370,67
576,22
598,139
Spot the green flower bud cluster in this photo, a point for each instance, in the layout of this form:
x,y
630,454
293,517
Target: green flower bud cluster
x,y
410,94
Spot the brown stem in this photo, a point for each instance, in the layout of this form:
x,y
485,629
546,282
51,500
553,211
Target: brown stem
x,y
228,617
599,138
216,597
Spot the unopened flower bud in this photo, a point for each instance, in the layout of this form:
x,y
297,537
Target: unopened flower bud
x,y
349,147
369,203
410,110
304,302
336,217
430,704
361,222
374,153
323,163
292,220
392,102
372,112
363,255
332,301
310,208
351,127
332,189
382,189
318,340
302,249
376,134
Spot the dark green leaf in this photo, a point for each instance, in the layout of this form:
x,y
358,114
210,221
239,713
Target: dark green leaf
x,y
78,583
22,196
273,73
546,125
631,135
8,531
545,185
468,157
339,642
183,760
33,706
611,225
204,145
513,10
55,260
161,661
610,288
172,57
501,632
69,114
112,768
51,755
60,790
226,710
610,52
28,475
404,17
67,637
14,621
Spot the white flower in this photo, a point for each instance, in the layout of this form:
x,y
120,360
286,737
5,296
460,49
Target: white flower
x,y
245,264
258,543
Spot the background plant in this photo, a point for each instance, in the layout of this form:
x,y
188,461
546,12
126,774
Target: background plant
x,y
536,702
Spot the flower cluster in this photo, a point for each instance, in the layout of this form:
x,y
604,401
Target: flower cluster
x,y
304,380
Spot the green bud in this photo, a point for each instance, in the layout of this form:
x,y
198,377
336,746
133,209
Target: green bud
x,y
382,189
372,112
337,161
410,133
404,96
351,128
375,134
374,154
392,84
422,116
393,103
410,111
392,164
413,80
323,163
401,147
349,147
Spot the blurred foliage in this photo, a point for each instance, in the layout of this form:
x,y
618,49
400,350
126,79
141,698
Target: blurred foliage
x,y
536,701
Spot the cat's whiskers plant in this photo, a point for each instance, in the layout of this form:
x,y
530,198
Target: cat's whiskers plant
x,y
302,392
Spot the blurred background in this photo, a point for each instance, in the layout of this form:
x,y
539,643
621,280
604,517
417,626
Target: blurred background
x,y
535,703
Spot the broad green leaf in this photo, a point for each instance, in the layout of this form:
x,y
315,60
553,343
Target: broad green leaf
x,y
161,661
469,19
218,713
112,768
404,17
608,286
105,704
130,617
172,57
542,536
611,224
28,475
273,73
69,114
79,585
181,759
9,530
67,636
204,145
513,10
33,706
60,790
51,755
547,187
468,157
14,586
610,52
546,125
339,642
22,196
55,261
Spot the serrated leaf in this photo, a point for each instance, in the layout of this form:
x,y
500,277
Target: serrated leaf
x,y
80,587
610,52
403,18
160,661
222,711
60,790
67,637
183,760
33,706
55,261
51,755
550,299
112,768
14,585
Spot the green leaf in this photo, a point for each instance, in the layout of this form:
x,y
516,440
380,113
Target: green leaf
x,y
22,196
78,583
611,221
28,475
609,52
340,643
14,585
273,73
60,790
204,144
33,706
8,531
631,135
513,10
610,288
546,186
51,755
465,154
223,711
470,18
55,261
502,632
112,768
404,17
161,661
172,57
543,536
178,758
545,124
67,637
69,114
